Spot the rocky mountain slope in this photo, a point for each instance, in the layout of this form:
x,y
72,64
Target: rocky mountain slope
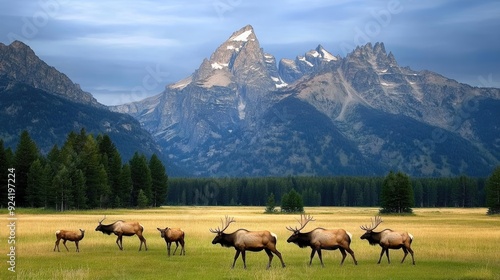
x,y
36,97
320,114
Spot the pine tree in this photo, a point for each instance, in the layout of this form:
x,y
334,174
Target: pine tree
x,y
159,181
142,200
271,204
26,153
493,192
141,177
80,198
112,161
62,190
125,192
95,174
292,202
37,185
396,194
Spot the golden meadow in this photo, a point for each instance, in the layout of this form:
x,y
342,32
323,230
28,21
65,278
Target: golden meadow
x,y
449,243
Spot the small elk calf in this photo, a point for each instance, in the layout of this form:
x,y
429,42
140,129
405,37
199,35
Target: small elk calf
x,y
320,238
388,239
173,235
68,235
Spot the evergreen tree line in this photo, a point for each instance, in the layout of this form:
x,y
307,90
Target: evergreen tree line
x,y
461,191
86,172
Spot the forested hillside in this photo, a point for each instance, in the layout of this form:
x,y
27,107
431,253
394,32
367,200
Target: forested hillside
x,y
86,172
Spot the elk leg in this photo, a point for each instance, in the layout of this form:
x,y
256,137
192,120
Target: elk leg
x,y
169,244
77,249
320,257
64,243
236,257
350,251
313,251
344,254
411,252
277,253
381,254
183,251
270,255
406,253
57,245
119,241
176,245
243,256
387,254
143,240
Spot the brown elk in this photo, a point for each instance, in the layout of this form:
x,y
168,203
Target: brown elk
x,y
122,228
173,235
243,240
388,239
320,238
68,235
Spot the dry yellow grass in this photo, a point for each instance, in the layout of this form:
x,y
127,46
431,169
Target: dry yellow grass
x,y
448,244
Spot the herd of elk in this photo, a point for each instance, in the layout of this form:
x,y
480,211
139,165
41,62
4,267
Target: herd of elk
x,y
68,235
388,239
320,238
173,235
243,240
121,228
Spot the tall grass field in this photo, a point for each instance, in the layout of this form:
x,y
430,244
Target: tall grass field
x,y
448,244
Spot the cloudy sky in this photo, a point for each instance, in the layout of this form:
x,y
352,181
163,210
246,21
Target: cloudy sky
x,y
111,47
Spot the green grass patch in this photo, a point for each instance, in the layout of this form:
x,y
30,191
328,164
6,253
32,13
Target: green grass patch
x,y
448,244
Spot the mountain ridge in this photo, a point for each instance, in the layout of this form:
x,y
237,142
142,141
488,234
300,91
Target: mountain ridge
x,y
203,125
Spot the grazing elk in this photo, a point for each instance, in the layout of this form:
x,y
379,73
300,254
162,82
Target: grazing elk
x,y
388,239
243,240
121,228
320,238
173,235
68,235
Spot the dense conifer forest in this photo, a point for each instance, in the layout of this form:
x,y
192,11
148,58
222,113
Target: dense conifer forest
x,y
87,172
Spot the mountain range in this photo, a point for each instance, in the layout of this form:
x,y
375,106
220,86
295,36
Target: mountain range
x,y
39,99
242,113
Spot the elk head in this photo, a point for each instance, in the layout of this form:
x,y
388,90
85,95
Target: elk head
x,y
99,226
296,231
162,231
219,238
369,229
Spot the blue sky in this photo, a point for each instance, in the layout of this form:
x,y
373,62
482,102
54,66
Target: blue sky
x,y
124,51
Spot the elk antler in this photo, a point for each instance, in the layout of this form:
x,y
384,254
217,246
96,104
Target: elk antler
x,y
303,222
375,224
225,224
102,219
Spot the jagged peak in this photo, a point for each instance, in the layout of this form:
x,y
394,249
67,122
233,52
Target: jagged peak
x,y
326,55
243,35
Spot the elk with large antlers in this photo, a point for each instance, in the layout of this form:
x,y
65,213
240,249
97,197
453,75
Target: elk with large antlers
x,y
388,239
243,240
122,228
321,238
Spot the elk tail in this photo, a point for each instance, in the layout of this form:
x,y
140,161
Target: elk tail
x,y
350,236
275,237
142,227
411,237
